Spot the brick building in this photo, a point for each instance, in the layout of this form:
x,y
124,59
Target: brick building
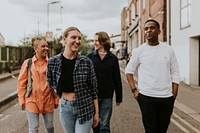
x,y
134,16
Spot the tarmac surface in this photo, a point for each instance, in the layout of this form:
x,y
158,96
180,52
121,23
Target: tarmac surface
x,y
188,100
7,92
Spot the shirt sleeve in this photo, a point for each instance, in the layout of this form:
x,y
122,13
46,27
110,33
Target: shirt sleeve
x,y
133,63
174,69
117,81
92,81
49,75
22,82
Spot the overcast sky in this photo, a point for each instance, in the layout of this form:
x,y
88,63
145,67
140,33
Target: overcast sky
x,y
21,18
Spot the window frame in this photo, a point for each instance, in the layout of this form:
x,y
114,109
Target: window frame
x,y
185,14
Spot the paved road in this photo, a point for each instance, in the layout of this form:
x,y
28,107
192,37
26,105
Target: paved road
x,y
126,117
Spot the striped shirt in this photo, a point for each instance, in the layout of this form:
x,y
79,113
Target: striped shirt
x,y
84,81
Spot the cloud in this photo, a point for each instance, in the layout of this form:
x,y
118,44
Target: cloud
x,y
28,17
84,9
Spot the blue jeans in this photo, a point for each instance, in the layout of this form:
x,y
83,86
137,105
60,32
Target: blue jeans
x,y
33,121
69,118
105,110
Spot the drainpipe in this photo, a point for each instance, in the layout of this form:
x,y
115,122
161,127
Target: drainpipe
x,y
150,8
169,22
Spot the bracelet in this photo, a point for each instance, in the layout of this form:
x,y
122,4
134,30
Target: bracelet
x,y
133,90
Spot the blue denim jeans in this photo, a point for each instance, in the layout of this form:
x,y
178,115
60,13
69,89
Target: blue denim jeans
x,y
105,110
33,121
69,118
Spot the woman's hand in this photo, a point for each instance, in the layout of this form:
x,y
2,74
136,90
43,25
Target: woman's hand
x,y
96,120
55,106
22,106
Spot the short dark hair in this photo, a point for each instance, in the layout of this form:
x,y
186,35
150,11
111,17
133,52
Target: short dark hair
x,y
153,20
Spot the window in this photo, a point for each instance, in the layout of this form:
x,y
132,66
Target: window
x,y
137,8
143,4
3,53
185,13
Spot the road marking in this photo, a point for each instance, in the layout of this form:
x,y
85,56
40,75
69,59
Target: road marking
x,y
5,117
179,126
186,123
192,113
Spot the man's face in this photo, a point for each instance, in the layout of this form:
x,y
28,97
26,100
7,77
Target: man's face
x,y
151,31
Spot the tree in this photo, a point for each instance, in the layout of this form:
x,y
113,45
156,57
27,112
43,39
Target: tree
x,y
85,48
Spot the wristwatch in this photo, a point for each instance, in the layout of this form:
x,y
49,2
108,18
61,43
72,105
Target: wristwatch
x,y
133,89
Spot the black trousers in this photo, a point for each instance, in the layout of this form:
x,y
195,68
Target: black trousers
x,y
156,113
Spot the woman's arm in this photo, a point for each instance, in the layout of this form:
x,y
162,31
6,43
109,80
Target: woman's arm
x,y
96,114
22,84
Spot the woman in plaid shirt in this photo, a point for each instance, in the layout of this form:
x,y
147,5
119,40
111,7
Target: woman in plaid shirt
x,y
73,78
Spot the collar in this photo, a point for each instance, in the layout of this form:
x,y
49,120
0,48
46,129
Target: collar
x,y
34,58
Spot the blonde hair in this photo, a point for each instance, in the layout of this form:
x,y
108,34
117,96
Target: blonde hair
x,y
35,40
66,32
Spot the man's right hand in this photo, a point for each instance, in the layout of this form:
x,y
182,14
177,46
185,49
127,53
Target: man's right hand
x,y
136,93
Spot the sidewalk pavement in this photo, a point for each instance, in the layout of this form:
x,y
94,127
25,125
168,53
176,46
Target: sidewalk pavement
x,y
188,99
8,94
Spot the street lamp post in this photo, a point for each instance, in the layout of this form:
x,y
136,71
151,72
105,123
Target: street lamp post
x,y
54,2
61,7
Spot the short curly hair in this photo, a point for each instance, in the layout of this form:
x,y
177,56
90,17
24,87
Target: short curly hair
x,y
153,20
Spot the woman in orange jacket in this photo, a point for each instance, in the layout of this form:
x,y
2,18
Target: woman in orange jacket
x,y
41,100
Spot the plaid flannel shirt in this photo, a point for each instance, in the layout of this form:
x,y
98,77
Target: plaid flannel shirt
x,y
84,81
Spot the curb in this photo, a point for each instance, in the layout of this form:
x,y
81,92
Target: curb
x,y
8,75
192,113
8,99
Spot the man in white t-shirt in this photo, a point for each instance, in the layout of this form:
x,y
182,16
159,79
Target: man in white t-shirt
x,y
158,79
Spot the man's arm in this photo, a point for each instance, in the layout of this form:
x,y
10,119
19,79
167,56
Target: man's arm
x,y
130,80
132,85
175,89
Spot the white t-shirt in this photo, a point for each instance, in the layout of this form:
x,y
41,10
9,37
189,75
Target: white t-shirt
x,y
157,69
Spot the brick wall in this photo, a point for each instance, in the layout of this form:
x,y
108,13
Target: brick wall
x,y
155,9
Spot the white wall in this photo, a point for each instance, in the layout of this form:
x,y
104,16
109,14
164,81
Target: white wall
x,y
181,41
195,18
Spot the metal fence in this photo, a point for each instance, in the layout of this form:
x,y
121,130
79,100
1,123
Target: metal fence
x,y
12,57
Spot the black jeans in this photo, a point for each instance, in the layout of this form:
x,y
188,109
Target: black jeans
x,y
156,113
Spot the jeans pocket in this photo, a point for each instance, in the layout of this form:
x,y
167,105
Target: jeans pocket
x,y
62,102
